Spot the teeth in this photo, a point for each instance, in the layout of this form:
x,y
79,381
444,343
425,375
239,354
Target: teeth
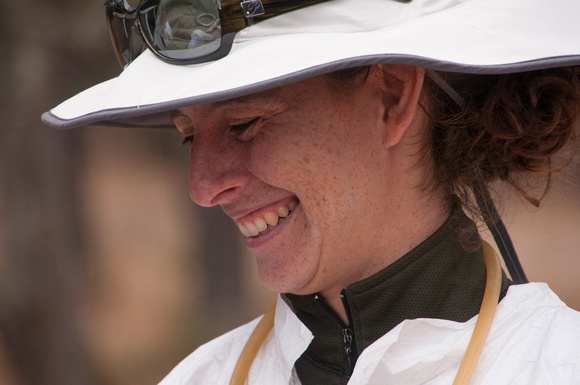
x,y
243,230
270,219
283,212
261,225
252,229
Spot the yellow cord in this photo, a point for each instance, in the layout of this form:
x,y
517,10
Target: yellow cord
x,y
252,347
485,318
472,354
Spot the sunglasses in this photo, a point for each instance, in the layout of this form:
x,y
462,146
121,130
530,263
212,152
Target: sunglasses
x,y
186,31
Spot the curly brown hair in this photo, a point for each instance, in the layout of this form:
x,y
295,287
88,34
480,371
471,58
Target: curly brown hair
x,y
510,126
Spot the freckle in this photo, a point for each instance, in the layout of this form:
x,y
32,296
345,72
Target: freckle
x,y
306,159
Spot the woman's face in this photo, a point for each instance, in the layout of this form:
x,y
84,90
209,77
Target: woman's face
x,y
304,174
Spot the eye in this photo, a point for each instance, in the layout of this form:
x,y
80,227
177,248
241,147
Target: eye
x,y
246,130
187,140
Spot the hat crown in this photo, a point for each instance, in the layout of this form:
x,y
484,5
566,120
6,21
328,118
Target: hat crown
x,y
347,16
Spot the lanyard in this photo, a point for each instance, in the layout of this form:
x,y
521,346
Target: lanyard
x,y
472,354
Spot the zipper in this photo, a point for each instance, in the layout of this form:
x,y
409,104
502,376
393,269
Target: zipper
x,y
347,331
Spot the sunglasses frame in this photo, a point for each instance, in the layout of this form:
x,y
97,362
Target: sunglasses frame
x,y
234,15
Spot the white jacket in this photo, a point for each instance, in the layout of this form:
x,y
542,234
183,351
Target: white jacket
x,y
534,340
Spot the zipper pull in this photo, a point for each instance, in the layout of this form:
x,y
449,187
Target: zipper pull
x,y
347,332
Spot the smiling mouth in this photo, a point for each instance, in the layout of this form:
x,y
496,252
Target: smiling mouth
x,y
268,222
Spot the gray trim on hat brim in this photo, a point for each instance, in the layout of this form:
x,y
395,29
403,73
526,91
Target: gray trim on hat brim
x,y
155,115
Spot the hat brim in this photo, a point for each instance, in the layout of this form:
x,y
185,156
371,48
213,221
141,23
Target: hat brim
x,y
474,36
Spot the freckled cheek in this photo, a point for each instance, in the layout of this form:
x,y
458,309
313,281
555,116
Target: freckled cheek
x,y
281,163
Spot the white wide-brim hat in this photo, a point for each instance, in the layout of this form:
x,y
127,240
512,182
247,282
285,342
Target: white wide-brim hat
x,y
474,36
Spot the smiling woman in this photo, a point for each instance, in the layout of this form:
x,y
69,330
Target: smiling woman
x,y
328,162
346,140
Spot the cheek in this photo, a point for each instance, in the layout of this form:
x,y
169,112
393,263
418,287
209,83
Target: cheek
x,y
320,158
280,160
314,168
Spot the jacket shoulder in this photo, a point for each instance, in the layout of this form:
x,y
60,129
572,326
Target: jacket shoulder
x,y
538,342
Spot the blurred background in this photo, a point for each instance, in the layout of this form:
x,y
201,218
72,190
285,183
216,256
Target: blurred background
x,y
108,273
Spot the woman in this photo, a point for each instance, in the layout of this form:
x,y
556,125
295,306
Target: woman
x,y
346,139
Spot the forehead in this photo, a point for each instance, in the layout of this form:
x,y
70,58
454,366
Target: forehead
x,y
272,99
259,99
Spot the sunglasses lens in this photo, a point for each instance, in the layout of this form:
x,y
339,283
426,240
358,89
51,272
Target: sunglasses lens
x,y
124,35
181,29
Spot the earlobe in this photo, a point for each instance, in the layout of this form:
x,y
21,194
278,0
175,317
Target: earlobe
x,y
402,90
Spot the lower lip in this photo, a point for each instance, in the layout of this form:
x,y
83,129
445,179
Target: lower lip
x,y
255,242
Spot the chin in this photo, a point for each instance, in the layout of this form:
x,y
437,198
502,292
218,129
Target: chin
x,y
288,269
283,281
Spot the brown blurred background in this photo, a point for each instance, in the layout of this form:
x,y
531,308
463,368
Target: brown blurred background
x,y
108,273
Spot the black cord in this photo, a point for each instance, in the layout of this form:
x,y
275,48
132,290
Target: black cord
x,y
498,229
485,201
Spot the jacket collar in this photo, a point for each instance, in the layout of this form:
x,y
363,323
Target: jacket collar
x,y
439,279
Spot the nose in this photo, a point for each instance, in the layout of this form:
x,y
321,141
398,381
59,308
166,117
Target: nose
x,y
217,173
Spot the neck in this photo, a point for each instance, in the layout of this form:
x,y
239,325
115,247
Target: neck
x,y
411,225
404,216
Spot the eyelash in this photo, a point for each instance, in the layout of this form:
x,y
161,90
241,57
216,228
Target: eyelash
x,y
238,129
187,140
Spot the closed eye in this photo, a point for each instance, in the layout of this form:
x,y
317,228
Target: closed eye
x,y
246,130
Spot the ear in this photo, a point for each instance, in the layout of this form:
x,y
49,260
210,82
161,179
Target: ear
x,y
401,89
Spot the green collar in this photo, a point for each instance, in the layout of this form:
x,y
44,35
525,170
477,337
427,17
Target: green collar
x,y
439,278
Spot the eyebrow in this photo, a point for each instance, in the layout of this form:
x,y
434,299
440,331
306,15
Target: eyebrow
x,y
267,96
